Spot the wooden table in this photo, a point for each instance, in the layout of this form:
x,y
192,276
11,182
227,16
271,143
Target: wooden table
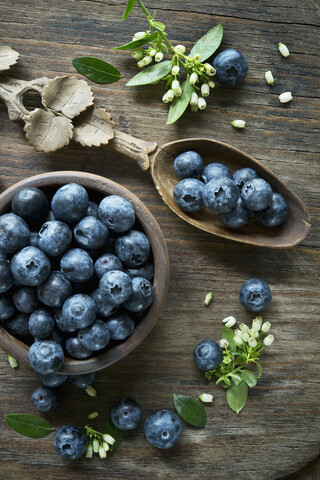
x,y
278,431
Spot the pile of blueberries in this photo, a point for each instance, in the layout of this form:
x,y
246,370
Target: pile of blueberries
x,y
74,277
236,198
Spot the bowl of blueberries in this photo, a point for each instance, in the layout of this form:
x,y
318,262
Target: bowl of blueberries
x,y
84,272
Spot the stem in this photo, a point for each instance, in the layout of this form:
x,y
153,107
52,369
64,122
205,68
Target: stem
x,y
149,17
144,9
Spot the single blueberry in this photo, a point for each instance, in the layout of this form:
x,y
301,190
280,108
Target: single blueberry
x,y
6,279
188,194
52,380
30,267
25,299
163,429
275,213
55,290
44,399
30,204
46,356
220,195
231,67
90,233
120,326
41,324
188,164
207,355
78,311
244,175
255,294
83,380
256,194
18,325
69,204
105,263
92,210
14,233
126,414
238,216
70,442
133,249
105,307
54,238
77,265
76,350
145,271
116,286
6,307
141,297
117,213
214,171
95,337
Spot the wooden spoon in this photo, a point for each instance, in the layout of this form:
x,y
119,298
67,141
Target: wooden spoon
x,y
160,161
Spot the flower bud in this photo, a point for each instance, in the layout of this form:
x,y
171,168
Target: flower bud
x,y
102,452
89,451
285,97
193,78
283,49
266,327
210,71
197,57
152,52
194,99
245,336
211,84
238,340
147,59
209,295
256,323
206,398
194,108
268,340
269,78
13,362
205,89
229,321
139,35
223,343
244,327
180,49
170,95
176,88
238,123
237,332
158,57
253,333
175,70
108,438
105,446
95,445
92,415
252,342
165,98
91,391
137,53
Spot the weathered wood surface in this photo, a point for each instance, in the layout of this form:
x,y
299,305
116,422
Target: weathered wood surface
x,y
278,431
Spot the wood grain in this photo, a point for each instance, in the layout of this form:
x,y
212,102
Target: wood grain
x,y
278,431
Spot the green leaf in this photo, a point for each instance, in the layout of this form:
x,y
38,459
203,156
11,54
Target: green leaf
x,y
29,425
96,70
208,44
259,369
128,10
151,74
228,334
137,43
180,104
249,377
190,410
159,25
237,396
236,378
115,432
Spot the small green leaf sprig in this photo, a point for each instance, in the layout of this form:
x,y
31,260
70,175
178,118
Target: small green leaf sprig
x,y
241,348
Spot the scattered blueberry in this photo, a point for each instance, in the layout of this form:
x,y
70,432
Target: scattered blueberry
x,y
18,325
95,337
255,294
78,311
6,279
207,355
244,175
77,265
188,194
69,204
145,271
141,297
238,216
231,67
41,323
275,213
83,380
70,442
30,204
126,414
133,249
256,194
6,307
25,299
120,326
90,233
54,238
14,233
105,307
117,213
76,350
188,164
30,267
54,291
44,399
116,286
46,356
105,263
163,429
220,195
52,380
214,171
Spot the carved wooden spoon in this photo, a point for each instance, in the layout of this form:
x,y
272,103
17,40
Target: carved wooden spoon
x,y
160,161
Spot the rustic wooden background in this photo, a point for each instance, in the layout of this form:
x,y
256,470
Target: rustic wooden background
x,y
278,431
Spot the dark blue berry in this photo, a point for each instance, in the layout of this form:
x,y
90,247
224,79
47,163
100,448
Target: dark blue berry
x,y
41,323
78,311
95,337
163,429
14,233
6,307
256,194
25,299
231,67
133,249
30,267
214,171
106,263
30,204
33,239
55,290
220,195
46,356
207,355
18,325
120,326
244,175
145,271
76,350
255,294
69,204
54,238
105,308
52,380
117,213
90,233
126,414
141,297
57,337
44,399
6,279
83,380
92,210
188,164
70,442
116,286
275,213
77,265
238,216
188,194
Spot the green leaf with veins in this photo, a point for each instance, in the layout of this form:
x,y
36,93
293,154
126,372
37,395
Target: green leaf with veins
x,y
208,44
138,43
96,70
29,425
128,10
237,396
249,377
179,104
151,74
192,411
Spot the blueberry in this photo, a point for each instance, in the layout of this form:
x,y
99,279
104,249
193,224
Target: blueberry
x,y
244,175
146,271
116,286
126,414
141,297
133,249
25,299
30,267
6,279
57,337
214,171
76,350
163,429
46,356
33,239
30,204
78,311
231,67
105,308
6,307
95,337
55,290
188,164
207,355
275,213
255,294
120,326
14,233
41,323
188,194
70,442
69,204
220,195
105,263
52,379
77,265
256,194
83,380
117,213
18,325
54,238
238,216
92,210
90,233
44,399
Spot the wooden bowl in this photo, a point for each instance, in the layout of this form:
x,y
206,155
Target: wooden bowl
x,y
98,187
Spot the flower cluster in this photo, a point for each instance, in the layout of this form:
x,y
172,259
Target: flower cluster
x,y
98,442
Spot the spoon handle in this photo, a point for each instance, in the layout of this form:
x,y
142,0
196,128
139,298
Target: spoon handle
x,y
133,147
